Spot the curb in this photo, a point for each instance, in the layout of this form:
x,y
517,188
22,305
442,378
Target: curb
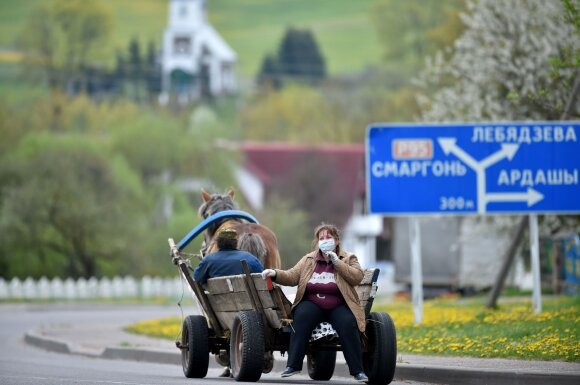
x,y
422,373
46,343
480,376
131,354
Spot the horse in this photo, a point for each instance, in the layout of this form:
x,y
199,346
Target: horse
x,y
254,238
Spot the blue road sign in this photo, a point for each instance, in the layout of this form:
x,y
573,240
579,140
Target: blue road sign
x,y
478,168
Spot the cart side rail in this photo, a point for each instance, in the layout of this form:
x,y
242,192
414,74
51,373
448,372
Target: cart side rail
x,y
367,289
229,295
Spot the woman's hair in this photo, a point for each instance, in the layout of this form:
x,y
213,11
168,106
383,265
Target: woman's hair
x,y
332,229
253,244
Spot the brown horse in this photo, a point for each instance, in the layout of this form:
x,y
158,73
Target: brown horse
x,y
253,238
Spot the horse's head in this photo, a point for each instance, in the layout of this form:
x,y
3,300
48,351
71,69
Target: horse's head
x,y
214,203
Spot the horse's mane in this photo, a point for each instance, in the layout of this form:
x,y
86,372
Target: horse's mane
x,y
217,203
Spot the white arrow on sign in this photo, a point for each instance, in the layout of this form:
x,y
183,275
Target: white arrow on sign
x,y
508,150
531,196
449,146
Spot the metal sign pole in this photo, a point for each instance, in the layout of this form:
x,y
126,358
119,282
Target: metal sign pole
x,y
535,251
416,271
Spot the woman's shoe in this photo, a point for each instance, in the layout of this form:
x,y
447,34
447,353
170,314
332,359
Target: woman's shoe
x,y
290,372
361,377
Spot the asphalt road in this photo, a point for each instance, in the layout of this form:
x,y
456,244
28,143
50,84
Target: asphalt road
x,y
23,364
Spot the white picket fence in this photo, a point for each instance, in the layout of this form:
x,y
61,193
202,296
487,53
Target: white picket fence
x,y
81,288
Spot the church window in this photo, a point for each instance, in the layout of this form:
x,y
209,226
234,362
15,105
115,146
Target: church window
x,y
182,45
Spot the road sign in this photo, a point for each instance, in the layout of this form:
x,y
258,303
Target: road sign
x,y
478,168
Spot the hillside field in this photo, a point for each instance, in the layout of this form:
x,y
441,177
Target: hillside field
x,y
253,28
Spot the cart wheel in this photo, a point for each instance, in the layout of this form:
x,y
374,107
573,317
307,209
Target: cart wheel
x,y
321,364
381,358
195,351
247,346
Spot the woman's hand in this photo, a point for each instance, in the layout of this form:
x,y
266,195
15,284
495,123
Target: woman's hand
x,y
332,255
268,273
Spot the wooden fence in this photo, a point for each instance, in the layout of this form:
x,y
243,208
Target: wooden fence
x,y
69,288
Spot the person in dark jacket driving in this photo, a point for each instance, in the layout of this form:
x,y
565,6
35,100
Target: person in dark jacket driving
x,y
225,261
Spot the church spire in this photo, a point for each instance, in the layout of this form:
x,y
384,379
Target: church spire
x,y
187,13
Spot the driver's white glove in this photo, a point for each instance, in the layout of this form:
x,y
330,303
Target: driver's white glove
x,y
268,273
333,257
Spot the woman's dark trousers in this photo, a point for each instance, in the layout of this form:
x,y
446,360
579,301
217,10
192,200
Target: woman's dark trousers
x,y
307,316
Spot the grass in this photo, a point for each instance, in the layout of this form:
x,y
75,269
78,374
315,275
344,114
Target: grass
x,y
467,328
253,28
457,327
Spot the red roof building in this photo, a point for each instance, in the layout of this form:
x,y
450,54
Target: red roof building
x,y
328,178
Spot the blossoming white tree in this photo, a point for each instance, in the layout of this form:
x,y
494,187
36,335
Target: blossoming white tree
x,y
501,67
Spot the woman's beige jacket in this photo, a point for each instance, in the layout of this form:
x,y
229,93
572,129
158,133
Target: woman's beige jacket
x,y
347,273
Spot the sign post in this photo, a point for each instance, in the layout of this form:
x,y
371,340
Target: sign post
x,y
535,251
475,169
416,269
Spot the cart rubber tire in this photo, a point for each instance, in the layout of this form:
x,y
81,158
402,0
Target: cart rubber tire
x,y
195,335
247,346
381,358
321,364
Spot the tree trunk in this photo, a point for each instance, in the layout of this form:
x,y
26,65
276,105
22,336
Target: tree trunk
x,y
507,263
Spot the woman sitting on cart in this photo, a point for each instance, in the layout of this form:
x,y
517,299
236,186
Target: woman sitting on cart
x,y
326,280
225,261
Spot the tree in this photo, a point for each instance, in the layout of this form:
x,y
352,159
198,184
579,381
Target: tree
x,y
62,37
152,72
295,114
135,63
299,60
299,56
412,30
506,51
269,76
67,207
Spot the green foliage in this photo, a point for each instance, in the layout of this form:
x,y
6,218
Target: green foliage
x,y
61,114
149,144
291,227
137,73
483,78
295,114
299,60
62,37
269,75
67,203
336,112
84,186
410,31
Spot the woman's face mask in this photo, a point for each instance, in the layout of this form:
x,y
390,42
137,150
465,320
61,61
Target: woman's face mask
x,y
326,245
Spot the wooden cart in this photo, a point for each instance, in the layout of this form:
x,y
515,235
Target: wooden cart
x,y
248,318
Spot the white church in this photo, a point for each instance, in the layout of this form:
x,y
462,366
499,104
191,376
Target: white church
x,y
195,60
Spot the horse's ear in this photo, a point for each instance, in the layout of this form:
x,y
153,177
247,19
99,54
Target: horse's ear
x,y
231,192
205,195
